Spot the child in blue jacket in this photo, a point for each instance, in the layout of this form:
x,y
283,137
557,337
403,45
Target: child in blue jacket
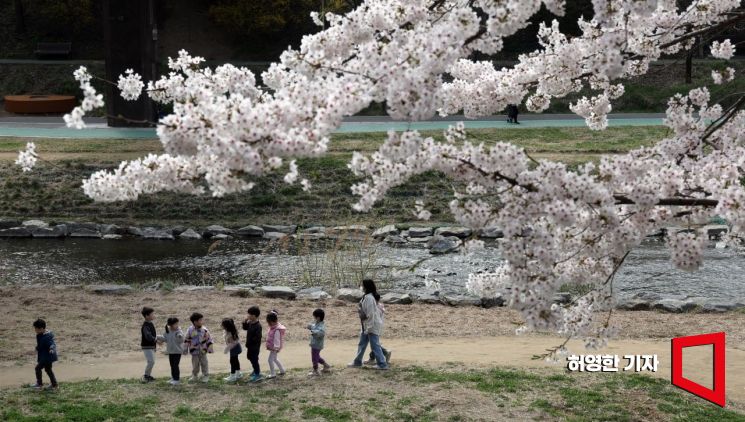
x,y
46,352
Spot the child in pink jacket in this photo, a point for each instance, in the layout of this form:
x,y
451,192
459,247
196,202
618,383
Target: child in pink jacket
x,y
275,341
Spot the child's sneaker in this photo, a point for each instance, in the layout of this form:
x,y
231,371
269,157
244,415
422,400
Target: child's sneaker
x,y
205,379
174,382
144,379
326,368
314,373
255,378
35,386
230,378
370,362
149,378
193,379
354,365
51,388
238,375
271,376
281,374
388,355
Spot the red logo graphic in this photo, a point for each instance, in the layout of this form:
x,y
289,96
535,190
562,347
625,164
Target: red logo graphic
x,y
717,395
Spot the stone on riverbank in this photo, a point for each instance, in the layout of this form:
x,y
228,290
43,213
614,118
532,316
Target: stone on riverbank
x,y
634,304
59,230
394,239
222,236
15,232
84,233
396,298
674,305
277,292
491,233
194,288
134,231
111,229
35,224
419,231
309,236
250,231
240,290
315,230
157,234
313,293
382,232
274,235
441,245
190,234
459,232
111,237
279,228
426,297
109,289
349,295
214,230
461,300
7,224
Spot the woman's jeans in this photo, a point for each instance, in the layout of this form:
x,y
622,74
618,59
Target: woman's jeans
x,y
374,341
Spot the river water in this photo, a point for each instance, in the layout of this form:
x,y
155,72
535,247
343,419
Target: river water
x,y
326,263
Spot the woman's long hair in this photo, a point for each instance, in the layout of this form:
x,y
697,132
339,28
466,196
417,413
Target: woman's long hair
x,y
368,286
229,326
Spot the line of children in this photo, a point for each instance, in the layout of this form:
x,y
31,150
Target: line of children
x,y
198,342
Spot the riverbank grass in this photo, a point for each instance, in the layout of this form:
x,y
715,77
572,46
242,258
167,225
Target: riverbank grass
x,y
403,394
52,192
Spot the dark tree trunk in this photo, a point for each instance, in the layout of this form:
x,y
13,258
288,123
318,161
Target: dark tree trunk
x,y
130,35
689,66
20,16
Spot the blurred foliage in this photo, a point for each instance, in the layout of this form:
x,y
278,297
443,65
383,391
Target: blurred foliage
x,y
65,17
257,19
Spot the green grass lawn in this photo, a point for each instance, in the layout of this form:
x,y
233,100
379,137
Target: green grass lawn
x,y
403,394
52,190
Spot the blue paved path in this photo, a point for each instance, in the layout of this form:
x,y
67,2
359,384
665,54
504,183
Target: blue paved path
x,y
52,127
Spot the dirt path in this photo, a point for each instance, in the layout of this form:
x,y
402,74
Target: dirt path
x,y
477,351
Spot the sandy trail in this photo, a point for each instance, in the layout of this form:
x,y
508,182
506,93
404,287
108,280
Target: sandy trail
x,y
475,351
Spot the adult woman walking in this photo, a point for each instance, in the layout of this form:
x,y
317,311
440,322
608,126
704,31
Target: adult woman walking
x,y
372,326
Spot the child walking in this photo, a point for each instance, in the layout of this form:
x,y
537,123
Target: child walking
x,y
317,335
199,343
253,340
46,354
147,342
275,341
232,346
174,339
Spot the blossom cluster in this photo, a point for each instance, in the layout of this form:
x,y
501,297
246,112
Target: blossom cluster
x,y
562,226
28,157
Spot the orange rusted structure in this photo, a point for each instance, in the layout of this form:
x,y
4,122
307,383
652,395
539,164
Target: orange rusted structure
x,y
35,104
